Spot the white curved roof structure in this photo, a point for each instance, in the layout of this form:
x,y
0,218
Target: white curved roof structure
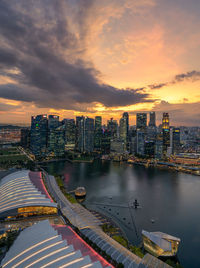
x,y
22,189
41,246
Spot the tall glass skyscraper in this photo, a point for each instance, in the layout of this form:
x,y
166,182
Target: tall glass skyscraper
x,y
112,126
124,129
126,117
53,121
165,133
176,140
56,136
80,133
152,119
140,142
56,141
89,135
141,121
106,140
25,137
98,133
165,121
70,132
39,135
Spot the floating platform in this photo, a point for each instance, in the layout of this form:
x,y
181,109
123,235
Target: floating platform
x,y
80,193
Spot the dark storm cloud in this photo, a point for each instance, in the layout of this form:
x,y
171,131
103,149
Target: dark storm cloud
x,y
35,38
7,58
193,76
189,76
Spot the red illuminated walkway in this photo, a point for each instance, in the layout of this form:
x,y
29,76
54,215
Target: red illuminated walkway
x,y
79,244
36,179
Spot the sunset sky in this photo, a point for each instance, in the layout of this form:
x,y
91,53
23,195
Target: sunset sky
x,y
100,57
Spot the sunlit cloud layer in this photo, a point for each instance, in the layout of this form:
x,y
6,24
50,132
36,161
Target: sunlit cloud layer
x,y
99,57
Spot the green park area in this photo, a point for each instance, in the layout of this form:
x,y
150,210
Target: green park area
x,y
9,151
136,250
109,229
69,197
114,233
10,157
121,240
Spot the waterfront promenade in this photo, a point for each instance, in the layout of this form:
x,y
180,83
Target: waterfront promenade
x,y
89,226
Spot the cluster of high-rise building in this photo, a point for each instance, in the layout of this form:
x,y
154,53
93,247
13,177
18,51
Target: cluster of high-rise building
x,y
50,136
153,141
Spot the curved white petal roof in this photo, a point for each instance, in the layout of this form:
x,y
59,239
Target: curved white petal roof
x,y
41,246
22,189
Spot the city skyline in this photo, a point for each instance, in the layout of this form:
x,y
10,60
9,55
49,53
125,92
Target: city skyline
x,y
100,58
132,119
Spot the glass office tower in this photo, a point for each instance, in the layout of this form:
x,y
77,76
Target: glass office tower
x,y
98,133
39,135
141,121
165,133
89,135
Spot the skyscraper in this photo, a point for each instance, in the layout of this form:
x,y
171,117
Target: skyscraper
x,y
70,132
25,137
159,147
175,140
80,133
124,129
56,141
97,133
53,121
152,119
140,142
165,133
113,128
89,135
126,116
141,121
39,134
105,142
152,130
165,121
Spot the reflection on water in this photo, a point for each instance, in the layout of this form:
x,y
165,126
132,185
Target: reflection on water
x,y
171,199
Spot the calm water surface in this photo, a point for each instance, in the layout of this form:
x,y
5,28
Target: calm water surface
x,y
171,199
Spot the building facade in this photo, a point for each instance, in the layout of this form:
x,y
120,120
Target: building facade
x,y
89,135
39,135
70,133
140,143
98,133
80,133
152,119
165,133
141,121
25,137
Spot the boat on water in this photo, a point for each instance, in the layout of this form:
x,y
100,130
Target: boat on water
x,y
80,193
